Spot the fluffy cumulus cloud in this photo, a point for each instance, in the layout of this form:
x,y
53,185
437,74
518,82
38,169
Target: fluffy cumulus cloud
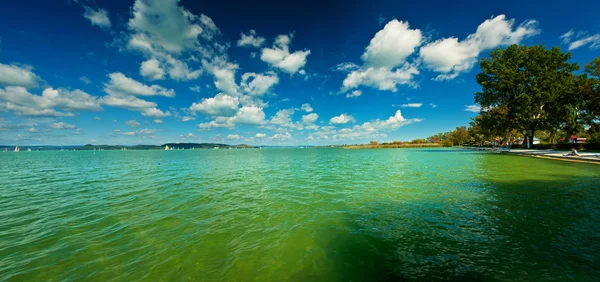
x,y
307,108
52,103
248,115
260,135
310,118
143,132
220,105
256,84
250,39
381,78
132,123
119,85
279,55
98,17
233,136
13,75
285,136
165,25
354,94
122,92
391,45
62,125
581,39
385,64
450,57
151,70
342,119
224,73
368,130
171,37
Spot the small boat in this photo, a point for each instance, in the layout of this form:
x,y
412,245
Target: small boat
x,y
166,147
28,149
17,149
216,148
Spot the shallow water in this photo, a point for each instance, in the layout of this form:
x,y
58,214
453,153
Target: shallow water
x,y
297,215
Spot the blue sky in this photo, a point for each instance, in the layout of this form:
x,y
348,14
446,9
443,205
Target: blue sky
x,y
259,72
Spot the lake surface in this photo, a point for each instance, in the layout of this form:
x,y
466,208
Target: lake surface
x,y
297,215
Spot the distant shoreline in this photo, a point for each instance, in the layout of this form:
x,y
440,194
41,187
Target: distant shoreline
x,y
388,146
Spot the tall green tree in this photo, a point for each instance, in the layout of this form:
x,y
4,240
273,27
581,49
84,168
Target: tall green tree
x,y
529,82
460,136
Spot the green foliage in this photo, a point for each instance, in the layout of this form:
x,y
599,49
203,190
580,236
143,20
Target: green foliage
x,y
530,83
418,141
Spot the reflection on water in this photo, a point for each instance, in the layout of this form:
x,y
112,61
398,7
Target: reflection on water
x,y
297,214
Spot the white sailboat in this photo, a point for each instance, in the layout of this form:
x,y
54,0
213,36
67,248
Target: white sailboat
x,y
17,149
166,147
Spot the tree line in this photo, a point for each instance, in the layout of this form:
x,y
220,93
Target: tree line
x,y
531,91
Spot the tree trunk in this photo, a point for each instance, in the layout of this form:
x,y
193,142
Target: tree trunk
x,y
531,137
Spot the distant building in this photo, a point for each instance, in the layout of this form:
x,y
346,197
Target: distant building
x,y
577,140
520,141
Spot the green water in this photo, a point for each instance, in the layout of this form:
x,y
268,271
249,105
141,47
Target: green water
x,y
297,215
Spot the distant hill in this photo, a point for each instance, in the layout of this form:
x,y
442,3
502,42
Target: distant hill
x,y
87,147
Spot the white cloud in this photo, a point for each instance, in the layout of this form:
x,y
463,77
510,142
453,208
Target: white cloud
x,y
151,70
120,85
412,105
372,129
158,121
354,94
310,118
385,60
380,78
85,80
155,113
233,137
307,108
122,90
256,84
179,70
224,73
128,102
250,39
279,55
13,75
281,137
132,123
19,101
248,115
220,105
97,17
582,39
62,125
391,45
433,105
140,132
166,25
97,118
346,67
187,118
283,118
473,108
196,88
450,57
566,38
260,135
341,119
